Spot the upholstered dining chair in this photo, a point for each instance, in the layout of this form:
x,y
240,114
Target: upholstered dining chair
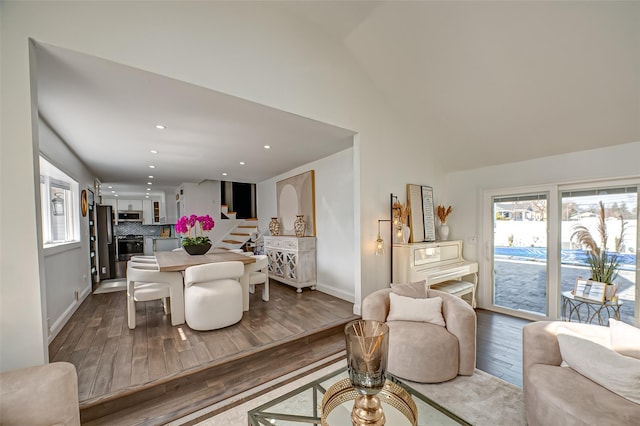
x,y
213,295
425,349
258,274
145,284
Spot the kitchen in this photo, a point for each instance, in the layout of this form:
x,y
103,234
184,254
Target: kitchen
x,y
131,227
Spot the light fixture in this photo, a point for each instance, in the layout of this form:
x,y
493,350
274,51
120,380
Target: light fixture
x,y
152,167
242,163
224,174
148,189
58,205
267,147
379,240
160,127
153,151
150,176
149,183
109,186
113,192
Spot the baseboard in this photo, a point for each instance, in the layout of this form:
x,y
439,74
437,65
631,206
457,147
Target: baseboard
x,y
340,294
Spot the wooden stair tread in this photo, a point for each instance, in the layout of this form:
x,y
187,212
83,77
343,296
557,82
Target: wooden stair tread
x,y
247,226
232,242
240,233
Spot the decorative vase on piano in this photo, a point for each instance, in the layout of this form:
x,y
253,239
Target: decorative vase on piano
x,y
444,232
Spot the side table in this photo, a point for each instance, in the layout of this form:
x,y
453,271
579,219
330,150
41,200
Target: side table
x,y
571,306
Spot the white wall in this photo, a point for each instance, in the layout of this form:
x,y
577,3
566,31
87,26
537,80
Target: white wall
x,y
66,268
465,189
335,230
253,50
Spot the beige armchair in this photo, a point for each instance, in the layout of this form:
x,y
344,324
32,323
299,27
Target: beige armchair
x,y
38,396
425,352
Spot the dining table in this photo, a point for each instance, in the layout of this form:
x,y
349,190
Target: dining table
x,y
180,260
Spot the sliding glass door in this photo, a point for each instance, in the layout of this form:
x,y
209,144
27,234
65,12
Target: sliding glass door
x,y
606,219
520,252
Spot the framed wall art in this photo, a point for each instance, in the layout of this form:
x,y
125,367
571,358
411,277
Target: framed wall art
x,y
295,197
428,215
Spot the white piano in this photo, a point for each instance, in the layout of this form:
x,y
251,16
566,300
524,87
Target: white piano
x,y
440,264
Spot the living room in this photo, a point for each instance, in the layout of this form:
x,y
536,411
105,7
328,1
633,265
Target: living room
x,y
569,104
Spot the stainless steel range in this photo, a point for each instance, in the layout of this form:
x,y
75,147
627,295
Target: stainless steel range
x,y
130,245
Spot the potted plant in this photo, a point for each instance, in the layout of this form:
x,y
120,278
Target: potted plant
x,y
604,265
194,243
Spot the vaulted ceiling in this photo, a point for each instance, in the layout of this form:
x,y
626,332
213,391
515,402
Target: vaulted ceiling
x,y
486,82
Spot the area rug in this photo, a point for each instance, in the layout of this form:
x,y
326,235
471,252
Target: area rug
x,y
110,286
481,399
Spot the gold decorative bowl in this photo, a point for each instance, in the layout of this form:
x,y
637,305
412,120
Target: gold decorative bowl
x,y
391,394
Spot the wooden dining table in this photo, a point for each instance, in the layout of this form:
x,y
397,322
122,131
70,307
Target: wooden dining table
x,y
179,261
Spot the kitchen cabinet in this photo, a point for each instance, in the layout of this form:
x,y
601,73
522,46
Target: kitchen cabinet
x,y
130,205
292,260
147,212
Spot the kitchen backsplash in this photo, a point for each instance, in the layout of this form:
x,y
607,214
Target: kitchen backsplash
x,y
134,228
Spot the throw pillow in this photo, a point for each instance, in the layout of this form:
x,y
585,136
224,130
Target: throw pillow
x,y
618,373
421,310
625,338
417,290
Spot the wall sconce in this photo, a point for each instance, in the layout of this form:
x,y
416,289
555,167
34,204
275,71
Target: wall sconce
x,y
58,205
380,241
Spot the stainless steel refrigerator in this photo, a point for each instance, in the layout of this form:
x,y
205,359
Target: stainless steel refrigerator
x,y
106,243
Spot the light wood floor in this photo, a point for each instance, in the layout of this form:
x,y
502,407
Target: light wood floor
x,y
157,373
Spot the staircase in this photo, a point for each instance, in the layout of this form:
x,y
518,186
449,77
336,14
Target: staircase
x,y
238,235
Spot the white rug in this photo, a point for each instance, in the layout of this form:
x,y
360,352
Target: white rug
x,y
481,399
110,286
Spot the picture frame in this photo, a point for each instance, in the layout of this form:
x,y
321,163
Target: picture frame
x,y
590,290
416,219
428,214
296,196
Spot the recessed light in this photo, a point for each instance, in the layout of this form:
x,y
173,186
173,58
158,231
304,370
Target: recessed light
x,y
146,196
150,176
109,186
148,189
153,151
160,127
113,192
242,163
267,147
116,195
152,167
149,183
224,174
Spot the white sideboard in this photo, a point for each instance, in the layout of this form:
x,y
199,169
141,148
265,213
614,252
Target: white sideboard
x,y
292,260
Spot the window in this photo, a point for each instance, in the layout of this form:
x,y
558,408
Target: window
x,y
59,197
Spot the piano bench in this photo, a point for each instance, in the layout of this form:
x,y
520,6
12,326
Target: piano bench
x,y
457,288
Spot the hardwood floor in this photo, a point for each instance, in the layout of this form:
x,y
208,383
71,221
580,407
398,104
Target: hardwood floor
x,y
499,345
158,373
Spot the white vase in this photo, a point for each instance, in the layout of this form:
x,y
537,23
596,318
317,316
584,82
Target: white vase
x,y
444,232
406,232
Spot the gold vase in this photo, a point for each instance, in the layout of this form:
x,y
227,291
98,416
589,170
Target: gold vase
x,y
274,227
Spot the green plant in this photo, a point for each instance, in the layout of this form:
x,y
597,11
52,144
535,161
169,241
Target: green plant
x,y
604,265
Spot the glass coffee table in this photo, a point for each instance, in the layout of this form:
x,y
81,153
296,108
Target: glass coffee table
x,y
302,406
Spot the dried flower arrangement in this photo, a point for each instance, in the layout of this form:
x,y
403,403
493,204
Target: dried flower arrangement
x,y
443,213
401,211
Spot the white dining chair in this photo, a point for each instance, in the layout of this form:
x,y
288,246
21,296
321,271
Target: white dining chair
x,y
258,274
144,284
213,295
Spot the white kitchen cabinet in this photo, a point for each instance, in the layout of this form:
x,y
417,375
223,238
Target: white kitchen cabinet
x,y
148,246
129,205
147,212
292,260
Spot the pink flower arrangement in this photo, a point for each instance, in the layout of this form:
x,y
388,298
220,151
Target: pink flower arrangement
x,y
185,224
